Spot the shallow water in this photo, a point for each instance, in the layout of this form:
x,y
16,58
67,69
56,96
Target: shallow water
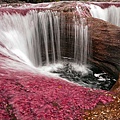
x,y
93,77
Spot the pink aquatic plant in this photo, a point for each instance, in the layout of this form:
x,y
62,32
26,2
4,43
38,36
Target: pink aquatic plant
x,y
29,96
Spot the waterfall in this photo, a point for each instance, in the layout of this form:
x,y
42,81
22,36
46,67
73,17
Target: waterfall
x,y
50,34
32,37
42,38
81,45
36,37
81,42
110,14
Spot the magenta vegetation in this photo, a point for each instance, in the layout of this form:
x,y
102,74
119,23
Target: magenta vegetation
x,y
28,96
25,94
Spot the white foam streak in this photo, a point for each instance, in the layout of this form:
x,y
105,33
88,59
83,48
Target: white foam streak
x,y
81,48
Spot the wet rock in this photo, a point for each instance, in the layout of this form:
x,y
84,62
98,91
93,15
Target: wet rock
x,y
105,39
105,45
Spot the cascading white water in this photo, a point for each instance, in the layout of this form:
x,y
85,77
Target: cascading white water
x,y
49,36
15,35
110,14
81,46
81,42
31,37
35,37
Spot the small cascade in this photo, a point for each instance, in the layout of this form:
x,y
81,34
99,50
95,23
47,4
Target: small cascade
x,y
110,14
48,46
81,46
81,42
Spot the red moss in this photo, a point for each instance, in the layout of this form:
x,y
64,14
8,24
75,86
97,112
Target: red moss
x,y
35,96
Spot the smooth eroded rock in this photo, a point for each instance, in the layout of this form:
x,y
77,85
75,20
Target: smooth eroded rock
x,y
105,45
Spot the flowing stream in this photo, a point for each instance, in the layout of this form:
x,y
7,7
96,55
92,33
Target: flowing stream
x,y
37,40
